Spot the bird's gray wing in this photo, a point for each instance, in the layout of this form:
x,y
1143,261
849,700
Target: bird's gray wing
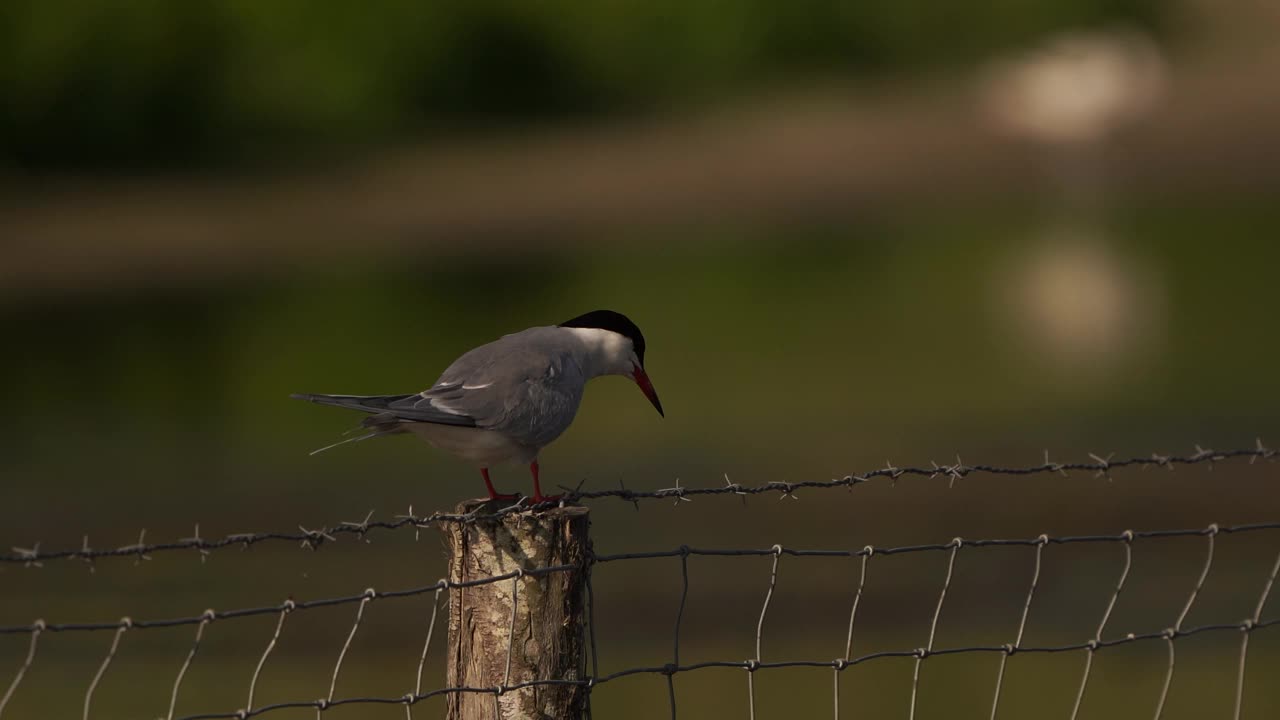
x,y
485,384
519,385
388,408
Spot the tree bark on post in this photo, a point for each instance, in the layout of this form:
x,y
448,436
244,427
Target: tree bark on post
x,y
549,618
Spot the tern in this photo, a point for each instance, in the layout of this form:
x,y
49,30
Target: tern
x,y
503,402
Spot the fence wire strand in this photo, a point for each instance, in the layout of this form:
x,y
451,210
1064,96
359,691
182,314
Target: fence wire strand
x,y
422,659
923,653
182,672
675,645
271,645
1022,625
1182,616
313,539
1247,626
366,596
764,609
591,635
36,628
1093,645
867,552
106,662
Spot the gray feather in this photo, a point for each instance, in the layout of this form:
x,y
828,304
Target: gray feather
x,y
381,404
366,436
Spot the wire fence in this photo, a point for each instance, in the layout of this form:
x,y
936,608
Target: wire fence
x,y
312,539
1102,638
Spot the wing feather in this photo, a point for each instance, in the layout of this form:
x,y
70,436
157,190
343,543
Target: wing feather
x,y
403,407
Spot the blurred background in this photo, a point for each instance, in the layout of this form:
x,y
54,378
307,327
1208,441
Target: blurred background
x,y
852,233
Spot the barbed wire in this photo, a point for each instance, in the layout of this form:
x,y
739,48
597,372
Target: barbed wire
x,y
314,538
756,663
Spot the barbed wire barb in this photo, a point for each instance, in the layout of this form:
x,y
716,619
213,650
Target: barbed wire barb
x,y
195,541
312,539
1202,453
1104,466
86,554
676,492
412,520
575,490
1051,466
627,495
892,472
1262,451
361,528
29,557
735,488
138,549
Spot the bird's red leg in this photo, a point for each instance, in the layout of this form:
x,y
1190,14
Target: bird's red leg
x,y
493,494
538,497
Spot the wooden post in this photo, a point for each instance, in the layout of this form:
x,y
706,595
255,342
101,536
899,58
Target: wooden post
x,y
549,613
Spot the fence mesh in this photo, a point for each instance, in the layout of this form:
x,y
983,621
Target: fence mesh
x,y
868,559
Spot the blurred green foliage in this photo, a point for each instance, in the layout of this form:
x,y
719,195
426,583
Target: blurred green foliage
x,y
147,83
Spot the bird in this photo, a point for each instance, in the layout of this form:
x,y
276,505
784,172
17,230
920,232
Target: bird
x,y
504,401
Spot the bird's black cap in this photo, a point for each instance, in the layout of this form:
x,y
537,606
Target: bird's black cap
x,y
614,321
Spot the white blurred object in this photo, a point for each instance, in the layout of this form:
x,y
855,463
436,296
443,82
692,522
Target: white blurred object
x,y
1080,305
1076,88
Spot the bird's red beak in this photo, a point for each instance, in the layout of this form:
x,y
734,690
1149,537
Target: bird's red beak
x,y
642,379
